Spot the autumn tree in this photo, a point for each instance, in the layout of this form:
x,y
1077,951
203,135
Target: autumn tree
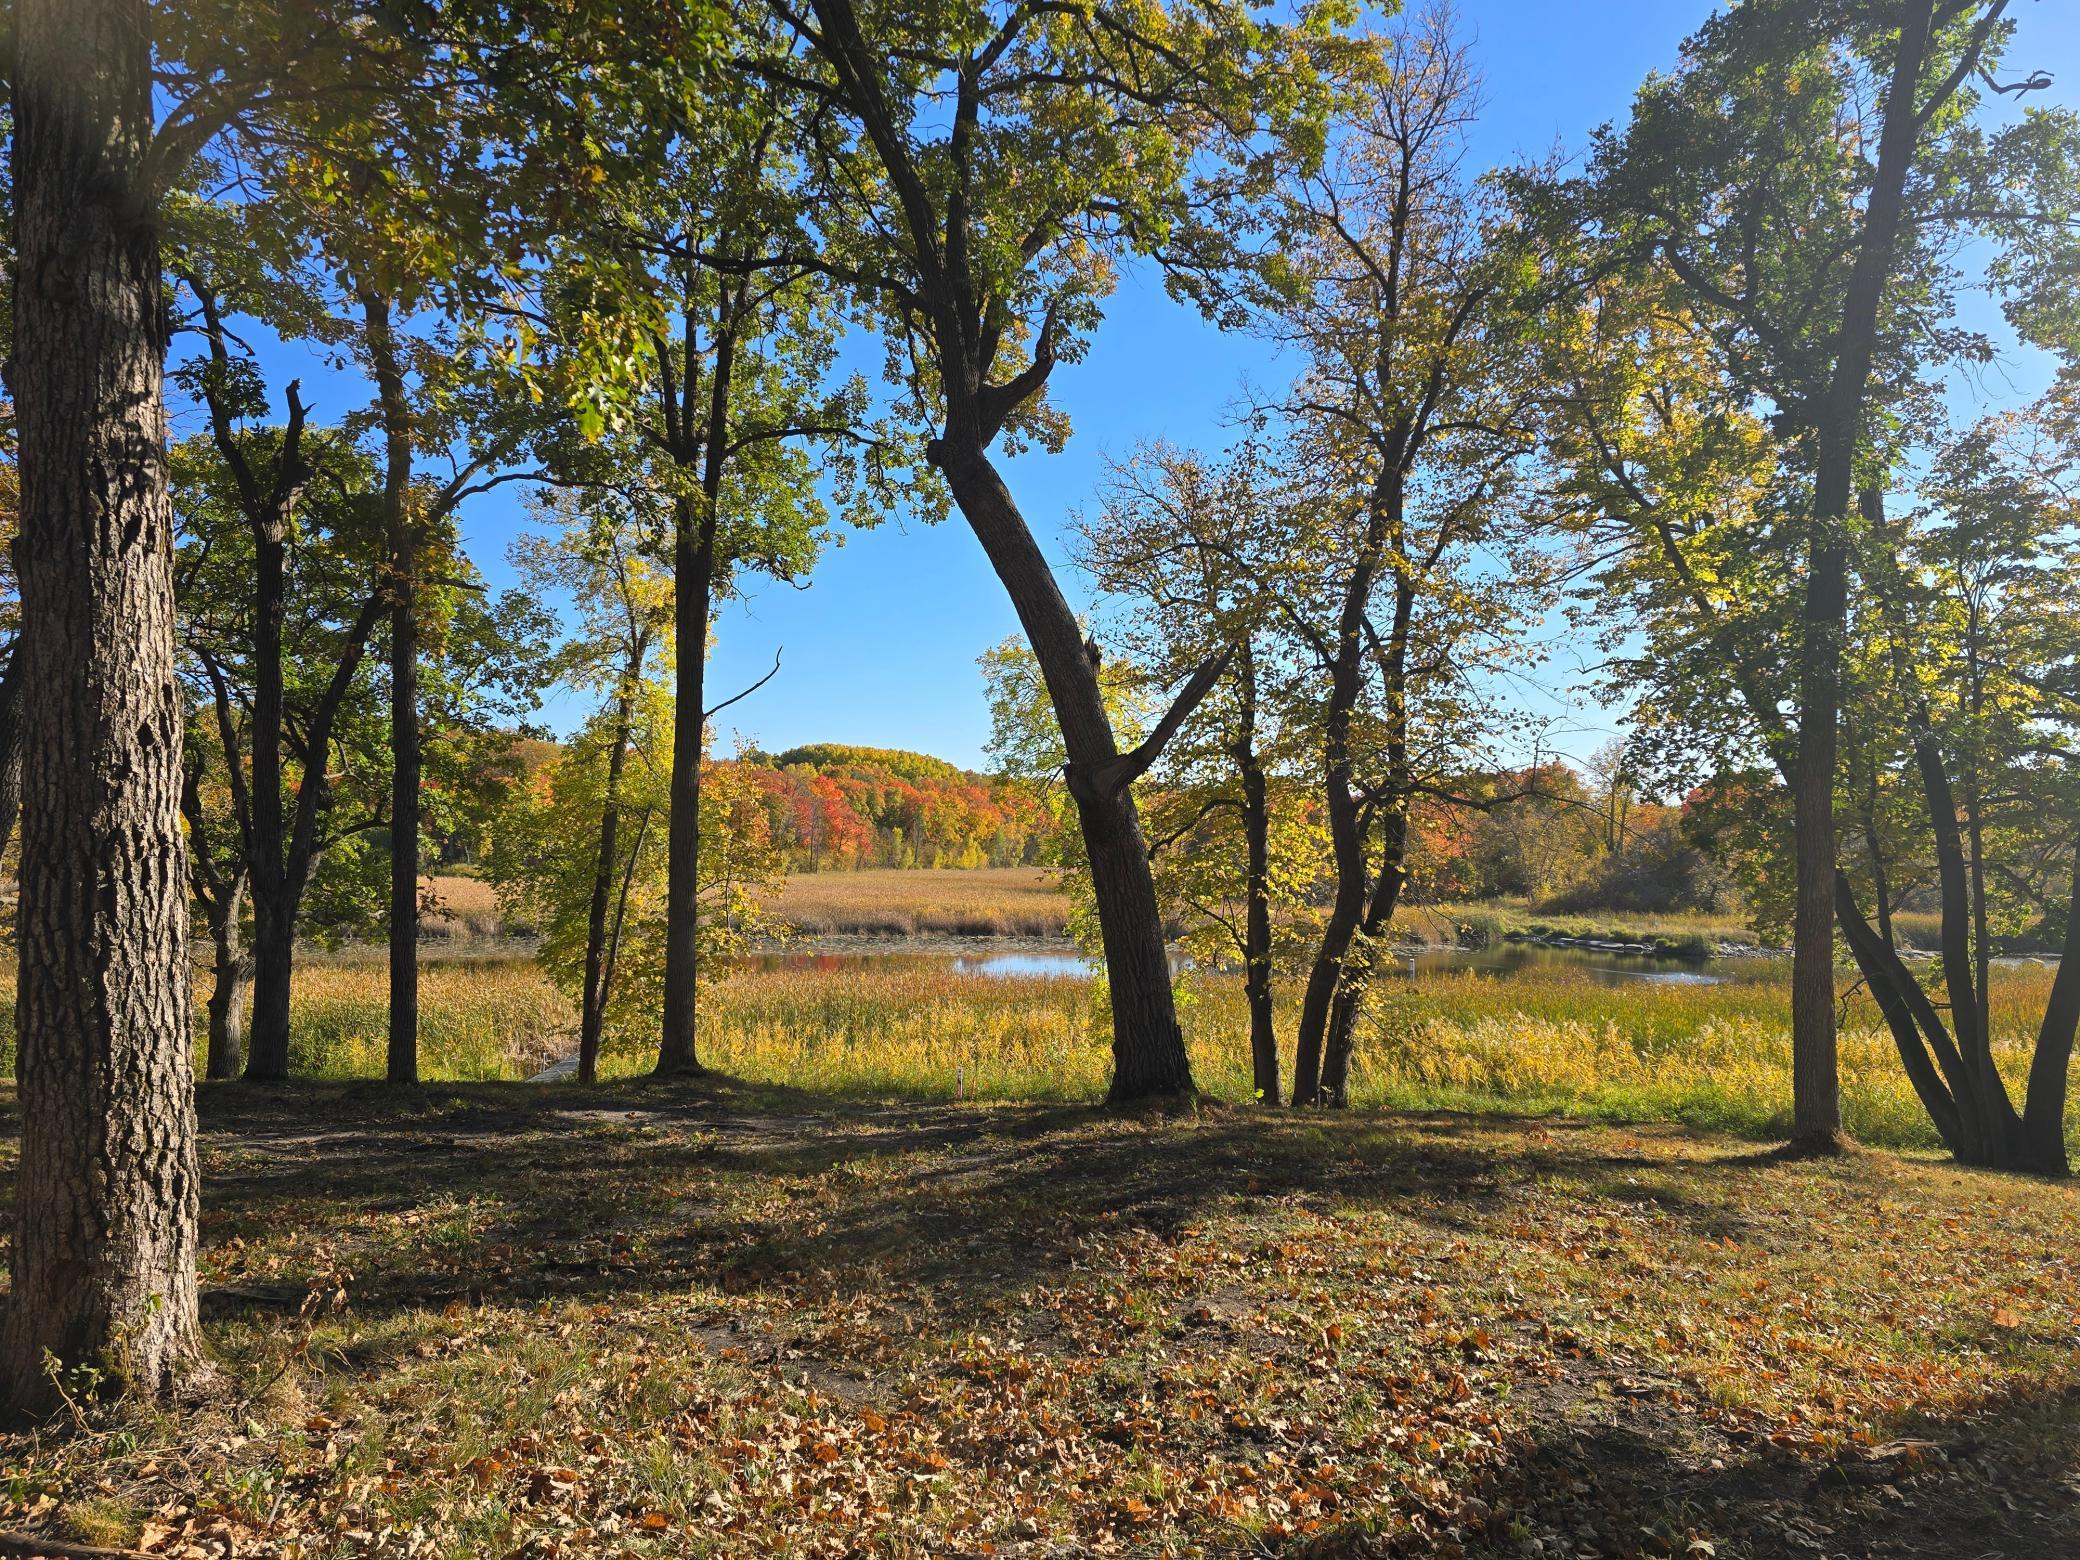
x,y
281,702
1806,178
732,405
1176,540
980,173
1383,267
603,555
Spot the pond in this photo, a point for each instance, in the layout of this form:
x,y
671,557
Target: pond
x,y
1502,961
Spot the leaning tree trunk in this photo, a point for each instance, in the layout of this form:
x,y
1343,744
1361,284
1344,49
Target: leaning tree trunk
x,y
105,1227
1816,1107
1148,1054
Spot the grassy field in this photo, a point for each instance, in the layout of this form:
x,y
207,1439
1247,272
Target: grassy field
x,y
1550,1041
1543,1041
949,901
505,1320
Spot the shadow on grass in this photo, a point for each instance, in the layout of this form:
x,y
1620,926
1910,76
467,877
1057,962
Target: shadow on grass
x,y
512,1195
968,1200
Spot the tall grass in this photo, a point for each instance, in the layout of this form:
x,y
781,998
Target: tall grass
x,y
1544,1039
936,901
479,1019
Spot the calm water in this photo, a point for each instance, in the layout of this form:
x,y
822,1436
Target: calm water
x,y
1501,962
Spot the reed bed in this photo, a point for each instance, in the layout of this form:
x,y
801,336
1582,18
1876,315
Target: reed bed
x,y
479,1019
1551,1039
1555,1040
923,902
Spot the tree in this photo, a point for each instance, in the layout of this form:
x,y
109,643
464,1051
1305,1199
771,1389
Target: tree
x,y
731,410
1384,270
1176,538
1972,648
272,515
106,1205
624,629
1803,178
978,174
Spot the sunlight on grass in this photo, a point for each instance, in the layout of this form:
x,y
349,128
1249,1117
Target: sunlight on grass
x,y
1546,1039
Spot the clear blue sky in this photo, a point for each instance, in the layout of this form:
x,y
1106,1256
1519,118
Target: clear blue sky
x,y
880,648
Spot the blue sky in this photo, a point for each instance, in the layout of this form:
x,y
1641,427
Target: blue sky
x,y
880,648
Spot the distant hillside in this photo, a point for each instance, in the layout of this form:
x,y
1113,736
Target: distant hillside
x,y
838,755
832,806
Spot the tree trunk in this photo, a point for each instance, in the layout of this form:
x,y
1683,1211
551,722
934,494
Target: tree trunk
x,y
103,1250
2044,1106
1350,991
231,980
1148,1055
1816,1107
278,897
402,1060
692,605
274,952
592,1016
1256,935
10,747
1346,909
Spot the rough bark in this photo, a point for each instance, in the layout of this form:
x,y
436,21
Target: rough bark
x,y
10,748
231,978
103,1250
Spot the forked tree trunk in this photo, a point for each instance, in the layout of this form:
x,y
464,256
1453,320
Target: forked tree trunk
x,y
1357,976
103,1250
278,899
1346,907
1148,1054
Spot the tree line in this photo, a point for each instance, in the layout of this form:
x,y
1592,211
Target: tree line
x,y
1698,389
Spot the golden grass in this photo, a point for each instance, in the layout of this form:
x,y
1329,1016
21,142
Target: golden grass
x,y
1544,1040
461,905
1548,1040
912,902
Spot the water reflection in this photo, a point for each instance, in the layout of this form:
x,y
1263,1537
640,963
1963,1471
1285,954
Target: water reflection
x,y
1503,961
